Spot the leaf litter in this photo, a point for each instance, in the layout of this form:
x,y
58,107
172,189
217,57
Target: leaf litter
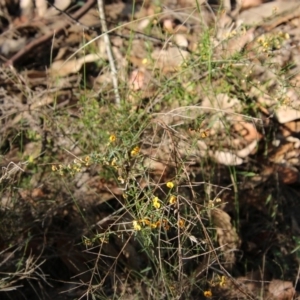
x,y
251,123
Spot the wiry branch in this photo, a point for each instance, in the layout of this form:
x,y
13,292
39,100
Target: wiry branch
x,y
109,51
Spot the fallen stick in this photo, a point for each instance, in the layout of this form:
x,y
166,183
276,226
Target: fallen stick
x,y
109,52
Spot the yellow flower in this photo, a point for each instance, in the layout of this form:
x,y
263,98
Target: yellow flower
x,y
223,281
156,203
54,168
135,151
114,162
136,226
207,294
173,199
87,160
87,242
112,138
170,184
181,223
211,204
122,181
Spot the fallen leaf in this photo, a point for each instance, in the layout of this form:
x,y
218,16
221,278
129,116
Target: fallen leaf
x,y
227,236
287,114
282,290
245,4
137,80
181,40
227,158
247,131
247,150
64,68
168,25
169,60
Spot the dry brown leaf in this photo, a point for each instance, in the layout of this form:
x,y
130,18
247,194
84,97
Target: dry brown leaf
x,y
256,15
227,236
281,290
154,165
168,25
280,155
247,150
64,68
236,44
247,131
227,158
137,80
287,175
245,4
143,24
290,127
181,40
90,19
287,114
169,60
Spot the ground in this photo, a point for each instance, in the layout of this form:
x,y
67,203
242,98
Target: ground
x,y
159,161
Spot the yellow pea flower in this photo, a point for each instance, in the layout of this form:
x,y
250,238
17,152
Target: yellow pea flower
x,y
136,226
156,203
112,138
170,184
207,294
181,223
135,151
173,199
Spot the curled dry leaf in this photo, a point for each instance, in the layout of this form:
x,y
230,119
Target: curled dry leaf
x,y
181,40
227,158
247,150
281,290
247,131
290,128
143,24
227,236
168,25
64,68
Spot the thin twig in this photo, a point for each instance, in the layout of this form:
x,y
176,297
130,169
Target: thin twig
x,y
109,51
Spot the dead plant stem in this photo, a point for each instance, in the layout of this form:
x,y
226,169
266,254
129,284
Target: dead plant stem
x,y
109,51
